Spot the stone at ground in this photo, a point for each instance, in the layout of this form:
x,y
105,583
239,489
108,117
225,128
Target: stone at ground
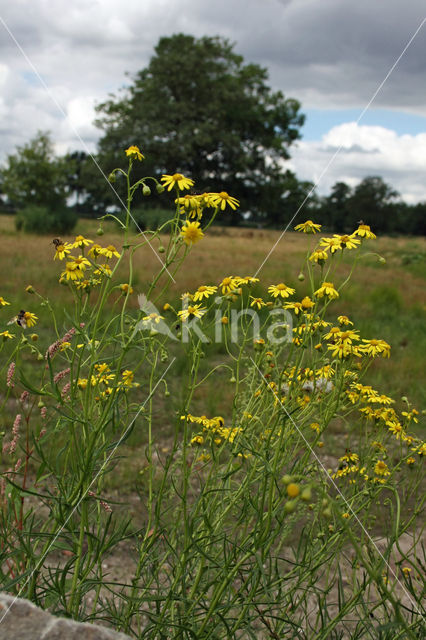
x,y
22,620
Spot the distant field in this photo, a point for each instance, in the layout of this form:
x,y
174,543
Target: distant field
x,y
383,300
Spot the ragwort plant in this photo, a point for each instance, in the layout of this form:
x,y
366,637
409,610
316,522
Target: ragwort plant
x,y
249,530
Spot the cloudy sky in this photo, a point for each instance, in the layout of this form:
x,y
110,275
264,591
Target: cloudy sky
x,y
332,55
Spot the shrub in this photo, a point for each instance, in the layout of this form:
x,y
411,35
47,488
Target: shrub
x,y
38,219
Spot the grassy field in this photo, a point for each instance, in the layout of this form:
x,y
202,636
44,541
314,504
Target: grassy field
x,y
383,300
387,301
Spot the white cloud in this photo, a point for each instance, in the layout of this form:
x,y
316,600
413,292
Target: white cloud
x,y
327,54
363,151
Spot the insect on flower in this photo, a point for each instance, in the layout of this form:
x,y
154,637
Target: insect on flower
x,y
24,319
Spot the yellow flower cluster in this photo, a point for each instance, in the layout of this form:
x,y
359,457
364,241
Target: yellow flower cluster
x,y
104,378
213,429
76,266
336,242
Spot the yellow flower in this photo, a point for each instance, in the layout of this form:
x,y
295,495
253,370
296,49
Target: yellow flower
x,y
95,251
153,317
134,153
103,270
80,241
196,310
319,256
3,302
72,272
6,335
30,319
191,205
125,288
376,347
406,570
364,231
62,250
205,291
109,251
246,280
396,428
257,302
127,376
176,180
410,460
381,468
347,242
411,415
191,232
307,303
294,306
315,427
327,289
84,284
343,349
229,284
333,244
344,320
280,289
308,227
81,263
222,199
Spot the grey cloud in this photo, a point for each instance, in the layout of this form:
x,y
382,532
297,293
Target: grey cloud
x,y
328,53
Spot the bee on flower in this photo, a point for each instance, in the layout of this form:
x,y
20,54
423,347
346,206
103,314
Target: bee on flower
x,y
24,319
62,249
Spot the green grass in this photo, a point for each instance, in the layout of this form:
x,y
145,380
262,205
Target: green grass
x,y
383,300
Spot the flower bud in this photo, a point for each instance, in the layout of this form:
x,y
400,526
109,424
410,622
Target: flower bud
x,y
30,289
159,188
290,506
286,479
99,231
146,191
306,494
161,249
382,260
34,337
111,177
301,277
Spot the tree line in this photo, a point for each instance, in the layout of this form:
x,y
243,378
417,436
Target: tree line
x,y
198,109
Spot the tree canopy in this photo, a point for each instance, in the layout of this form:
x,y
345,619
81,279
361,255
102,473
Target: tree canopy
x,y
33,175
199,110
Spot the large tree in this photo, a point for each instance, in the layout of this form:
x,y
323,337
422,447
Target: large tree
x,y
199,110
33,175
